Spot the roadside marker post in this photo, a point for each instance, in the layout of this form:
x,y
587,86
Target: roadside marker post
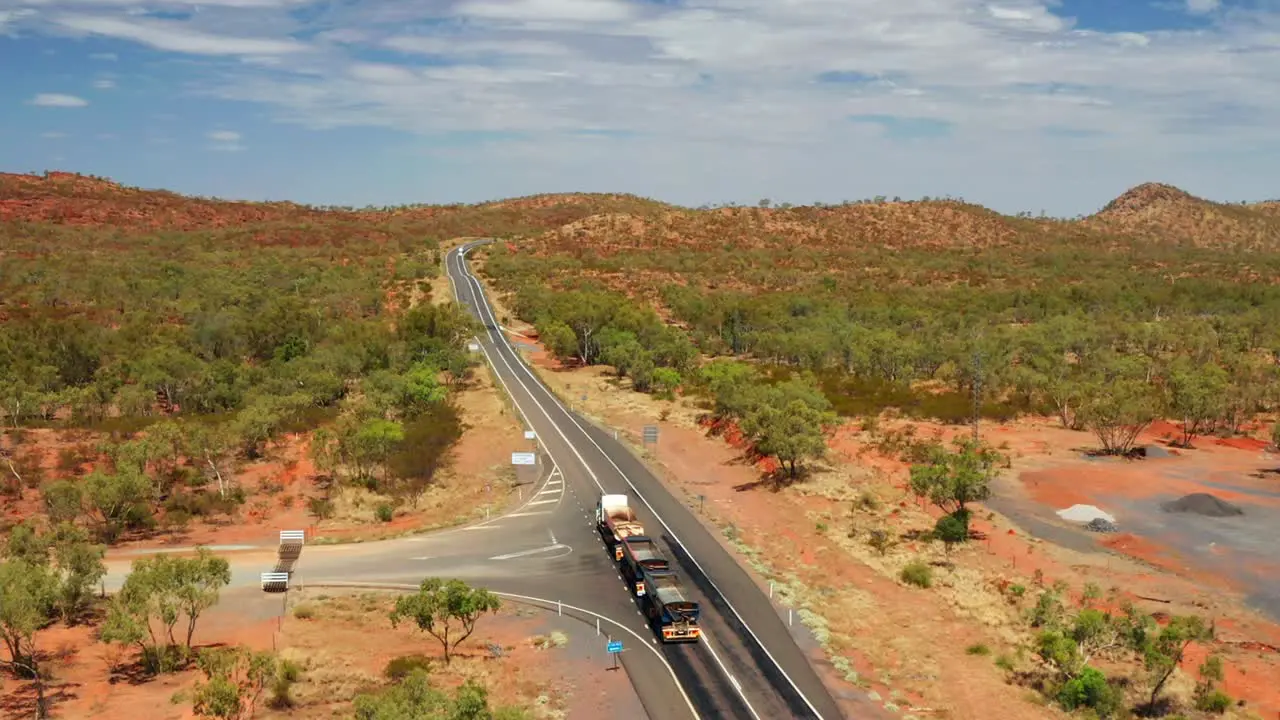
x,y
615,648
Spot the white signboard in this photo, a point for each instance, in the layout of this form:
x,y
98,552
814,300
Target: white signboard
x,y
473,347
529,435
524,458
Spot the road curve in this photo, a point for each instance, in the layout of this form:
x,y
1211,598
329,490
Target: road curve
x,y
749,666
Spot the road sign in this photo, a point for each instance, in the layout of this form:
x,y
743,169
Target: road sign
x,y
288,537
473,347
615,646
651,433
529,435
524,458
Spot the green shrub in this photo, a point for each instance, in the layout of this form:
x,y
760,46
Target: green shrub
x,y
978,649
384,512
401,667
1214,701
304,612
917,573
1090,689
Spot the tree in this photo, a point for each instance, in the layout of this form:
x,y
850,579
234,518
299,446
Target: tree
x,y
952,480
792,433
117,501
1197,395
665,381
26,597
1118,406
234,681
208,445
63,500
163,590
421,390
1163,653
374,442
77,567
448,611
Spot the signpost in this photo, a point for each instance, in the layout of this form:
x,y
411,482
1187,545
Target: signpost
x,y
615,648
526,465
530,435
650,435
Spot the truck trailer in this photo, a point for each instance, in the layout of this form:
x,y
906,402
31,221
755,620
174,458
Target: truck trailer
x,y
616,520
670,612
640,556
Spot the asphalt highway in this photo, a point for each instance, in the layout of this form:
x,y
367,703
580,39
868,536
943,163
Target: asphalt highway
x,y
748,665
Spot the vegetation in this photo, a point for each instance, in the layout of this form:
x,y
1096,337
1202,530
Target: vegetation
x,y
43,576
235,679
1068,644
160,592
918,573
447,611
414,697
939,309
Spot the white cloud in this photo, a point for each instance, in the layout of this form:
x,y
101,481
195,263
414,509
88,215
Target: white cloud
x,y
547,11
224,136
57,100
708,99
177,37
104,84
53,135
105,57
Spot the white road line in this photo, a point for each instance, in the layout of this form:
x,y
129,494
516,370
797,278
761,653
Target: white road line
x,y
550,490
528,514
484,527
526,553
543,502
479,301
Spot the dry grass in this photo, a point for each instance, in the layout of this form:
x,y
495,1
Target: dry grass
x,y
345,646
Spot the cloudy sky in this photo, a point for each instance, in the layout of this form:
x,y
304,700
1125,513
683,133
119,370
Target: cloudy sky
x,y
1017,104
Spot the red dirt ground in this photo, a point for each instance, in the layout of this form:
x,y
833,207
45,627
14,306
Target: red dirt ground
x,y
342,649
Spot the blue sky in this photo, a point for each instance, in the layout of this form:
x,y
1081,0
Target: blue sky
x,y
1017,104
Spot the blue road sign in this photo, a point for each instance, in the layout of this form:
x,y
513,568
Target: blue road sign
x,y
615,646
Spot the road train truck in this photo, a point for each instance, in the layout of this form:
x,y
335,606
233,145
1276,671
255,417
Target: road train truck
x,y
616,520
673,614
640,557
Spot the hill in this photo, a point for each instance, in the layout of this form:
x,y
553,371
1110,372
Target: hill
x,y
71,199
1162,212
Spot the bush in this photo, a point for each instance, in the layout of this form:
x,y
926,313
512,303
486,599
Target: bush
x,y
1090,689
287,673
304,612
384,512
401,667
978,649
917,573
320,508
1214,701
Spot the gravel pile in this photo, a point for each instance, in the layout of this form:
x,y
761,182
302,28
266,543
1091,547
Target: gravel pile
x,y
1100,525
1085,514
1202,504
